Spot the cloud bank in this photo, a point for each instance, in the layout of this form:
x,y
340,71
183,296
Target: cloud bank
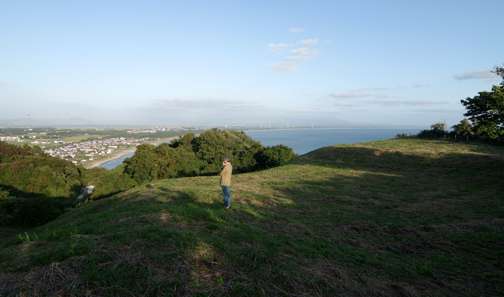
x,y
296,30
477,74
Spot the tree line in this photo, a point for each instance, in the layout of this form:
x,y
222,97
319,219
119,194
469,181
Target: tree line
x,y
192,155
485,116
36,187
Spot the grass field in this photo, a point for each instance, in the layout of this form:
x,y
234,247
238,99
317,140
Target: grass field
x,y
404,217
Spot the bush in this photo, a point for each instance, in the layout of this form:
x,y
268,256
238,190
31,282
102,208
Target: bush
x,y
276,156
191,156
4,194
431,134
107,182
28,172
28,212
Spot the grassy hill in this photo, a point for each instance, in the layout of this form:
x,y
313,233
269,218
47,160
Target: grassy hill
x,y
405,217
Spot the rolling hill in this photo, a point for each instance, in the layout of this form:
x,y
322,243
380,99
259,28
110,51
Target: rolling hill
x,y
403,217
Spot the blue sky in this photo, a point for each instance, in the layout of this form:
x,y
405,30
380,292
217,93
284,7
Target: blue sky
x,y
247,62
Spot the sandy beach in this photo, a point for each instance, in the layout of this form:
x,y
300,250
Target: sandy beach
x,y
120,153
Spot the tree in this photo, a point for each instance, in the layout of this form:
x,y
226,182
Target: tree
x,y
278,155
4,194
500,72
464,129
439,127
487,109
144,164
192,155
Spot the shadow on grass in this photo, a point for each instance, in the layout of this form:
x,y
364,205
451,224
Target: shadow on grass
x,y
339,221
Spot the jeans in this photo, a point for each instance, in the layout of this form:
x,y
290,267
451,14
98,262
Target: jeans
x,y
226,195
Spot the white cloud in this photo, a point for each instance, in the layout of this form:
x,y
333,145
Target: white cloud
x,y
327,41
206,104
477,74
296,30
290,64
358,99
348,95
437,110
406,102
224,112
380,95
309,42
305,51
299,57
347,104
279,46
370,89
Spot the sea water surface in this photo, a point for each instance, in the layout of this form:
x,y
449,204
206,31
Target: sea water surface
x,y
303,141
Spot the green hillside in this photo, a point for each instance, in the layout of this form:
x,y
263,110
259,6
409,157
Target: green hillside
x,y
404,217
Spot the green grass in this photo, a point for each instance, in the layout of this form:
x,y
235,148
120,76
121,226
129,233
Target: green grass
x,y
403,217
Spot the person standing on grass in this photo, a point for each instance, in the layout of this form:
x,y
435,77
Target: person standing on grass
x,y
225,180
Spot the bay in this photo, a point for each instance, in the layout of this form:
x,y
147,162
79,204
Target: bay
x,y
303,141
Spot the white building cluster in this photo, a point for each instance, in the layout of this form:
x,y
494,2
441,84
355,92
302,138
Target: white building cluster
x,y
10,139
156,129
88,150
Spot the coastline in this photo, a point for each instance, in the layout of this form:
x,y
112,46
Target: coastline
x,y
100,161
118,154
328,128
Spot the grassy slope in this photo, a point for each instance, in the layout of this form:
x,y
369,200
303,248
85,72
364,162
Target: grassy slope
x,y
402,217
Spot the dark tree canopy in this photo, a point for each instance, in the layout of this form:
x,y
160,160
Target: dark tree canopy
x,y
464,128
487,110
36,187
192,155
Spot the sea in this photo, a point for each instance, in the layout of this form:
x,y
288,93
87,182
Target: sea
x,y
303,141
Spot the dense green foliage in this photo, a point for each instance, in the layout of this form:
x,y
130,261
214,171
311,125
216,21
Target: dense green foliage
x,y
28,172
437,130
35,187
192,155
29,212
486,112
465,129
106,182
487,109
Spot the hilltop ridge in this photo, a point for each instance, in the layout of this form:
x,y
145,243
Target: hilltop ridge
x,y
403,217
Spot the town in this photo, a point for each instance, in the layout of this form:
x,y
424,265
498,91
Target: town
x,y
81,146
81,152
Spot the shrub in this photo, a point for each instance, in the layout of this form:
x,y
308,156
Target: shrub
x,y
191,156
437,130
275,156
4,194
28,212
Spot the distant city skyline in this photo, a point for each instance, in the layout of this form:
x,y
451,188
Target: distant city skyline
x,y
322,63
